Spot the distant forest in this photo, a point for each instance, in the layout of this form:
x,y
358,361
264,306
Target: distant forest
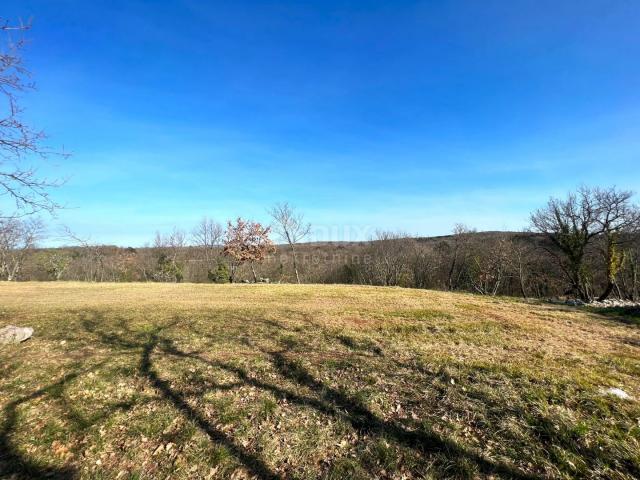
x,y
586,246
490,263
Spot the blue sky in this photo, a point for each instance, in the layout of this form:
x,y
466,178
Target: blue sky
x,y
392,115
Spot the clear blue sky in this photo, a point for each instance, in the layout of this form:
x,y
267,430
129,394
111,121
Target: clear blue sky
x,y
396,114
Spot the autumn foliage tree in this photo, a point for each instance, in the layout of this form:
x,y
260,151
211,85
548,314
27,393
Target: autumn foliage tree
x,y
246,241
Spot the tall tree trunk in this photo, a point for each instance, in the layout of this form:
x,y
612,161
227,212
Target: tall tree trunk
x,y
523,291
607,291
451,270
634,282
614,260
618,292
232,272
521,278
578,280
13,273
295,263
253,270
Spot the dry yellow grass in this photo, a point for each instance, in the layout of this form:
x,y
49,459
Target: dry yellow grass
x,y
311,381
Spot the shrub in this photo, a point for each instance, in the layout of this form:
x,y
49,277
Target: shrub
x,y
220,274
168,270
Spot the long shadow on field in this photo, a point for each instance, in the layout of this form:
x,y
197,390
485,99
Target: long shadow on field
x,y
15,465
330,401
325,399
365,421
251,462
12,462
150,344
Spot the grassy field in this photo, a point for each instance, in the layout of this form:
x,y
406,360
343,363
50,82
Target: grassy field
x,y
280,381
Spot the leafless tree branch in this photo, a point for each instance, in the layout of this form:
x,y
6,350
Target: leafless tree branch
x,y
19,141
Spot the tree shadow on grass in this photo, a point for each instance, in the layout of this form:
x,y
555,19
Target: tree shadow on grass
x,y
148,344
14,464
324,398
330,401
251,462
364,420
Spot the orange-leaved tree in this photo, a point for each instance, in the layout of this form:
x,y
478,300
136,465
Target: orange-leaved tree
x,y
246,241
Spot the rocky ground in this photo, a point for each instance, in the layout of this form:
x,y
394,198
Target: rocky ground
x,y
609,303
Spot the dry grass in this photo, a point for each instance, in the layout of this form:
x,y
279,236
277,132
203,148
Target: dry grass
x,y
282,381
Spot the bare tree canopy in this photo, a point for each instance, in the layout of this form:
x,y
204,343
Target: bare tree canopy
x,y
93,267
290,226
19,141
575,224
390,254
460,235
570,224
208,235
170,248
17,238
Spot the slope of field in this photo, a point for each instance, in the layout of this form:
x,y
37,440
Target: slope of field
x,y
284,381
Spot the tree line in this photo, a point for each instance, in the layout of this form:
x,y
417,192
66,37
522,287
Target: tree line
x,y
586,245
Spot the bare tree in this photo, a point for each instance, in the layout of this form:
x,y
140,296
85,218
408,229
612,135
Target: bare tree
x,y
174,242
520,254
17,238
489,265
571,225
55,264
459,254
247,241
588,218
290,227
19,141
92,268
390,254
423,265
208,235
169,248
